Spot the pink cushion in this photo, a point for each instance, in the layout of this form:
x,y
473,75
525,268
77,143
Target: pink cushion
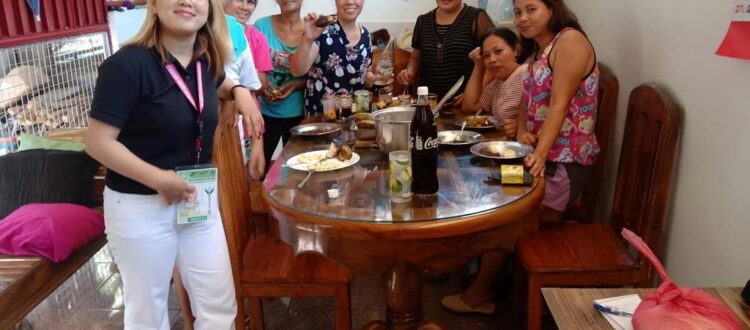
x,y
52,231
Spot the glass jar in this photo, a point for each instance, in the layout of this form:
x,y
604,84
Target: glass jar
x,y
362,98
344,105
330,108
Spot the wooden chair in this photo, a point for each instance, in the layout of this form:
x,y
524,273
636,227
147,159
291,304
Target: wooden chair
x,y
263,265
401,59
593,254
584,210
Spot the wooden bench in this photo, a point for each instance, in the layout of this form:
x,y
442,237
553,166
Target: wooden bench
x,y
27,281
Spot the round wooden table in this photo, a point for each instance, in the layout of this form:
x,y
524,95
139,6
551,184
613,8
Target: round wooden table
x,y
365,231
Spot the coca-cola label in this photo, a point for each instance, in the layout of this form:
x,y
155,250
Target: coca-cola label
x,y
418,144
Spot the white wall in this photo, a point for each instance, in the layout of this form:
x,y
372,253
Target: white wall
x,y
374,11
672,42
395,15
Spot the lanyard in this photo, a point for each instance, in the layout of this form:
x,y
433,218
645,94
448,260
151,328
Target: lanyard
x,y
189,96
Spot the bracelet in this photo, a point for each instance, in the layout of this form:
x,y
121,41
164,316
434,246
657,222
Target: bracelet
x,y
231,91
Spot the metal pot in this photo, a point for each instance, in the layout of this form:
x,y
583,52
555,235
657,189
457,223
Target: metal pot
x,y
392,128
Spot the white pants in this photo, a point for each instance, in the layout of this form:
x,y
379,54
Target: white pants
x,y
146,243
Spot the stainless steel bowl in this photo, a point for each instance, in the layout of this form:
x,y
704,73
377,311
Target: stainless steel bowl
x,y
315,129
452,138
392,128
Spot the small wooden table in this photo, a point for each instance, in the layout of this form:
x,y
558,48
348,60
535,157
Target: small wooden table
x,y
366,232
572,308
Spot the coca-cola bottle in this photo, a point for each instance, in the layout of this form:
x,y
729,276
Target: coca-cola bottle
x,y
424,147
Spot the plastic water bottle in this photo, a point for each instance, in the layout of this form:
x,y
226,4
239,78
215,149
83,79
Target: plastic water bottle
x,y
8,137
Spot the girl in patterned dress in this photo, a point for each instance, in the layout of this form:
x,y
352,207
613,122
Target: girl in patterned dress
x,y
559,114
557,118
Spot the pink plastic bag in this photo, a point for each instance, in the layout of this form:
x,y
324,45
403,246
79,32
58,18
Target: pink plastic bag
x,y
670,307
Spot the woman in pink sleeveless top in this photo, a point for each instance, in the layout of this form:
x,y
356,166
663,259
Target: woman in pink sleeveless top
x,y
560,113
557,118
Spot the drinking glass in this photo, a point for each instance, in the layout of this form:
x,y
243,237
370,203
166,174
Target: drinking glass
x,y
404,99
329,109
433,99
384,95
344,104
400,176
362,100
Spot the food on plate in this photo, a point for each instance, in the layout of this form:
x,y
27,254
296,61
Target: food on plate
x,y
450,137
332,151
499,151
363,120
366,124
478,121
344,154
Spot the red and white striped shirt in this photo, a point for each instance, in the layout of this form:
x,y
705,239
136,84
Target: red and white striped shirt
x,y
502,98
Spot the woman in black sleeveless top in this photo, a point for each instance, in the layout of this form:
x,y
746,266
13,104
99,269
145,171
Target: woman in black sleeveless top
x,y
442,41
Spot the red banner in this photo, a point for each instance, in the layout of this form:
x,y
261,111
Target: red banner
x,y
736,43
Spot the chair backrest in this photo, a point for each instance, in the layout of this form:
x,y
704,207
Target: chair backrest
x,y
234,201
647,159
609,88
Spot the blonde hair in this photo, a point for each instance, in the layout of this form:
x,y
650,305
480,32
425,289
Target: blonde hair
x,y
212,39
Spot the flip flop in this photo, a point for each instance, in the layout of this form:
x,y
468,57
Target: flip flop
x,y
456,304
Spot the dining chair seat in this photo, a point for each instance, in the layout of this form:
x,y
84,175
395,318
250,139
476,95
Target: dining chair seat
x,y
273,262
575,248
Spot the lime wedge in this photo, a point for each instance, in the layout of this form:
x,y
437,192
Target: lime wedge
x,y
396,186
404,176
403,161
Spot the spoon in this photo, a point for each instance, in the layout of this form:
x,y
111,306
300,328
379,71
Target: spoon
x,y
302,183
460,133
478,112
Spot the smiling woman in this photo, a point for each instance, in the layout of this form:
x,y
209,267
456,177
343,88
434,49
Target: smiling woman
x,y
155,108
338,56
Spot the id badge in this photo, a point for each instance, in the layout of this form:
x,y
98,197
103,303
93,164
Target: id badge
x,y
206,205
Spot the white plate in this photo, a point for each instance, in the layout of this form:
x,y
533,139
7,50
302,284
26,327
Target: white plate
x,y
303,161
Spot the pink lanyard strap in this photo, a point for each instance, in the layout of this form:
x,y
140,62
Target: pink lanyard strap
x,y
189,96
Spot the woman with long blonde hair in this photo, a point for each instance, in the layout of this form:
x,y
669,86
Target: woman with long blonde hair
x,y
155,109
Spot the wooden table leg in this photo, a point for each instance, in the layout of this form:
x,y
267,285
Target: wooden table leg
x,y
404,297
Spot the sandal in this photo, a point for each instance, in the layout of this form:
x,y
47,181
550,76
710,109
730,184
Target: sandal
x,y
456,304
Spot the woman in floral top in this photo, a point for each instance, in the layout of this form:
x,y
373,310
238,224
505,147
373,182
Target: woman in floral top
x,y
337,58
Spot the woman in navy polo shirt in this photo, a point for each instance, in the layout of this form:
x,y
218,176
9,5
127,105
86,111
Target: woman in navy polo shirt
x,y
156,108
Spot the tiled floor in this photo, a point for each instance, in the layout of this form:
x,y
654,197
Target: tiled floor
x,y
92,299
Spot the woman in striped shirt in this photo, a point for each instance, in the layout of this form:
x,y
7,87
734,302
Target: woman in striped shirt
x,y
501,94
442,39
